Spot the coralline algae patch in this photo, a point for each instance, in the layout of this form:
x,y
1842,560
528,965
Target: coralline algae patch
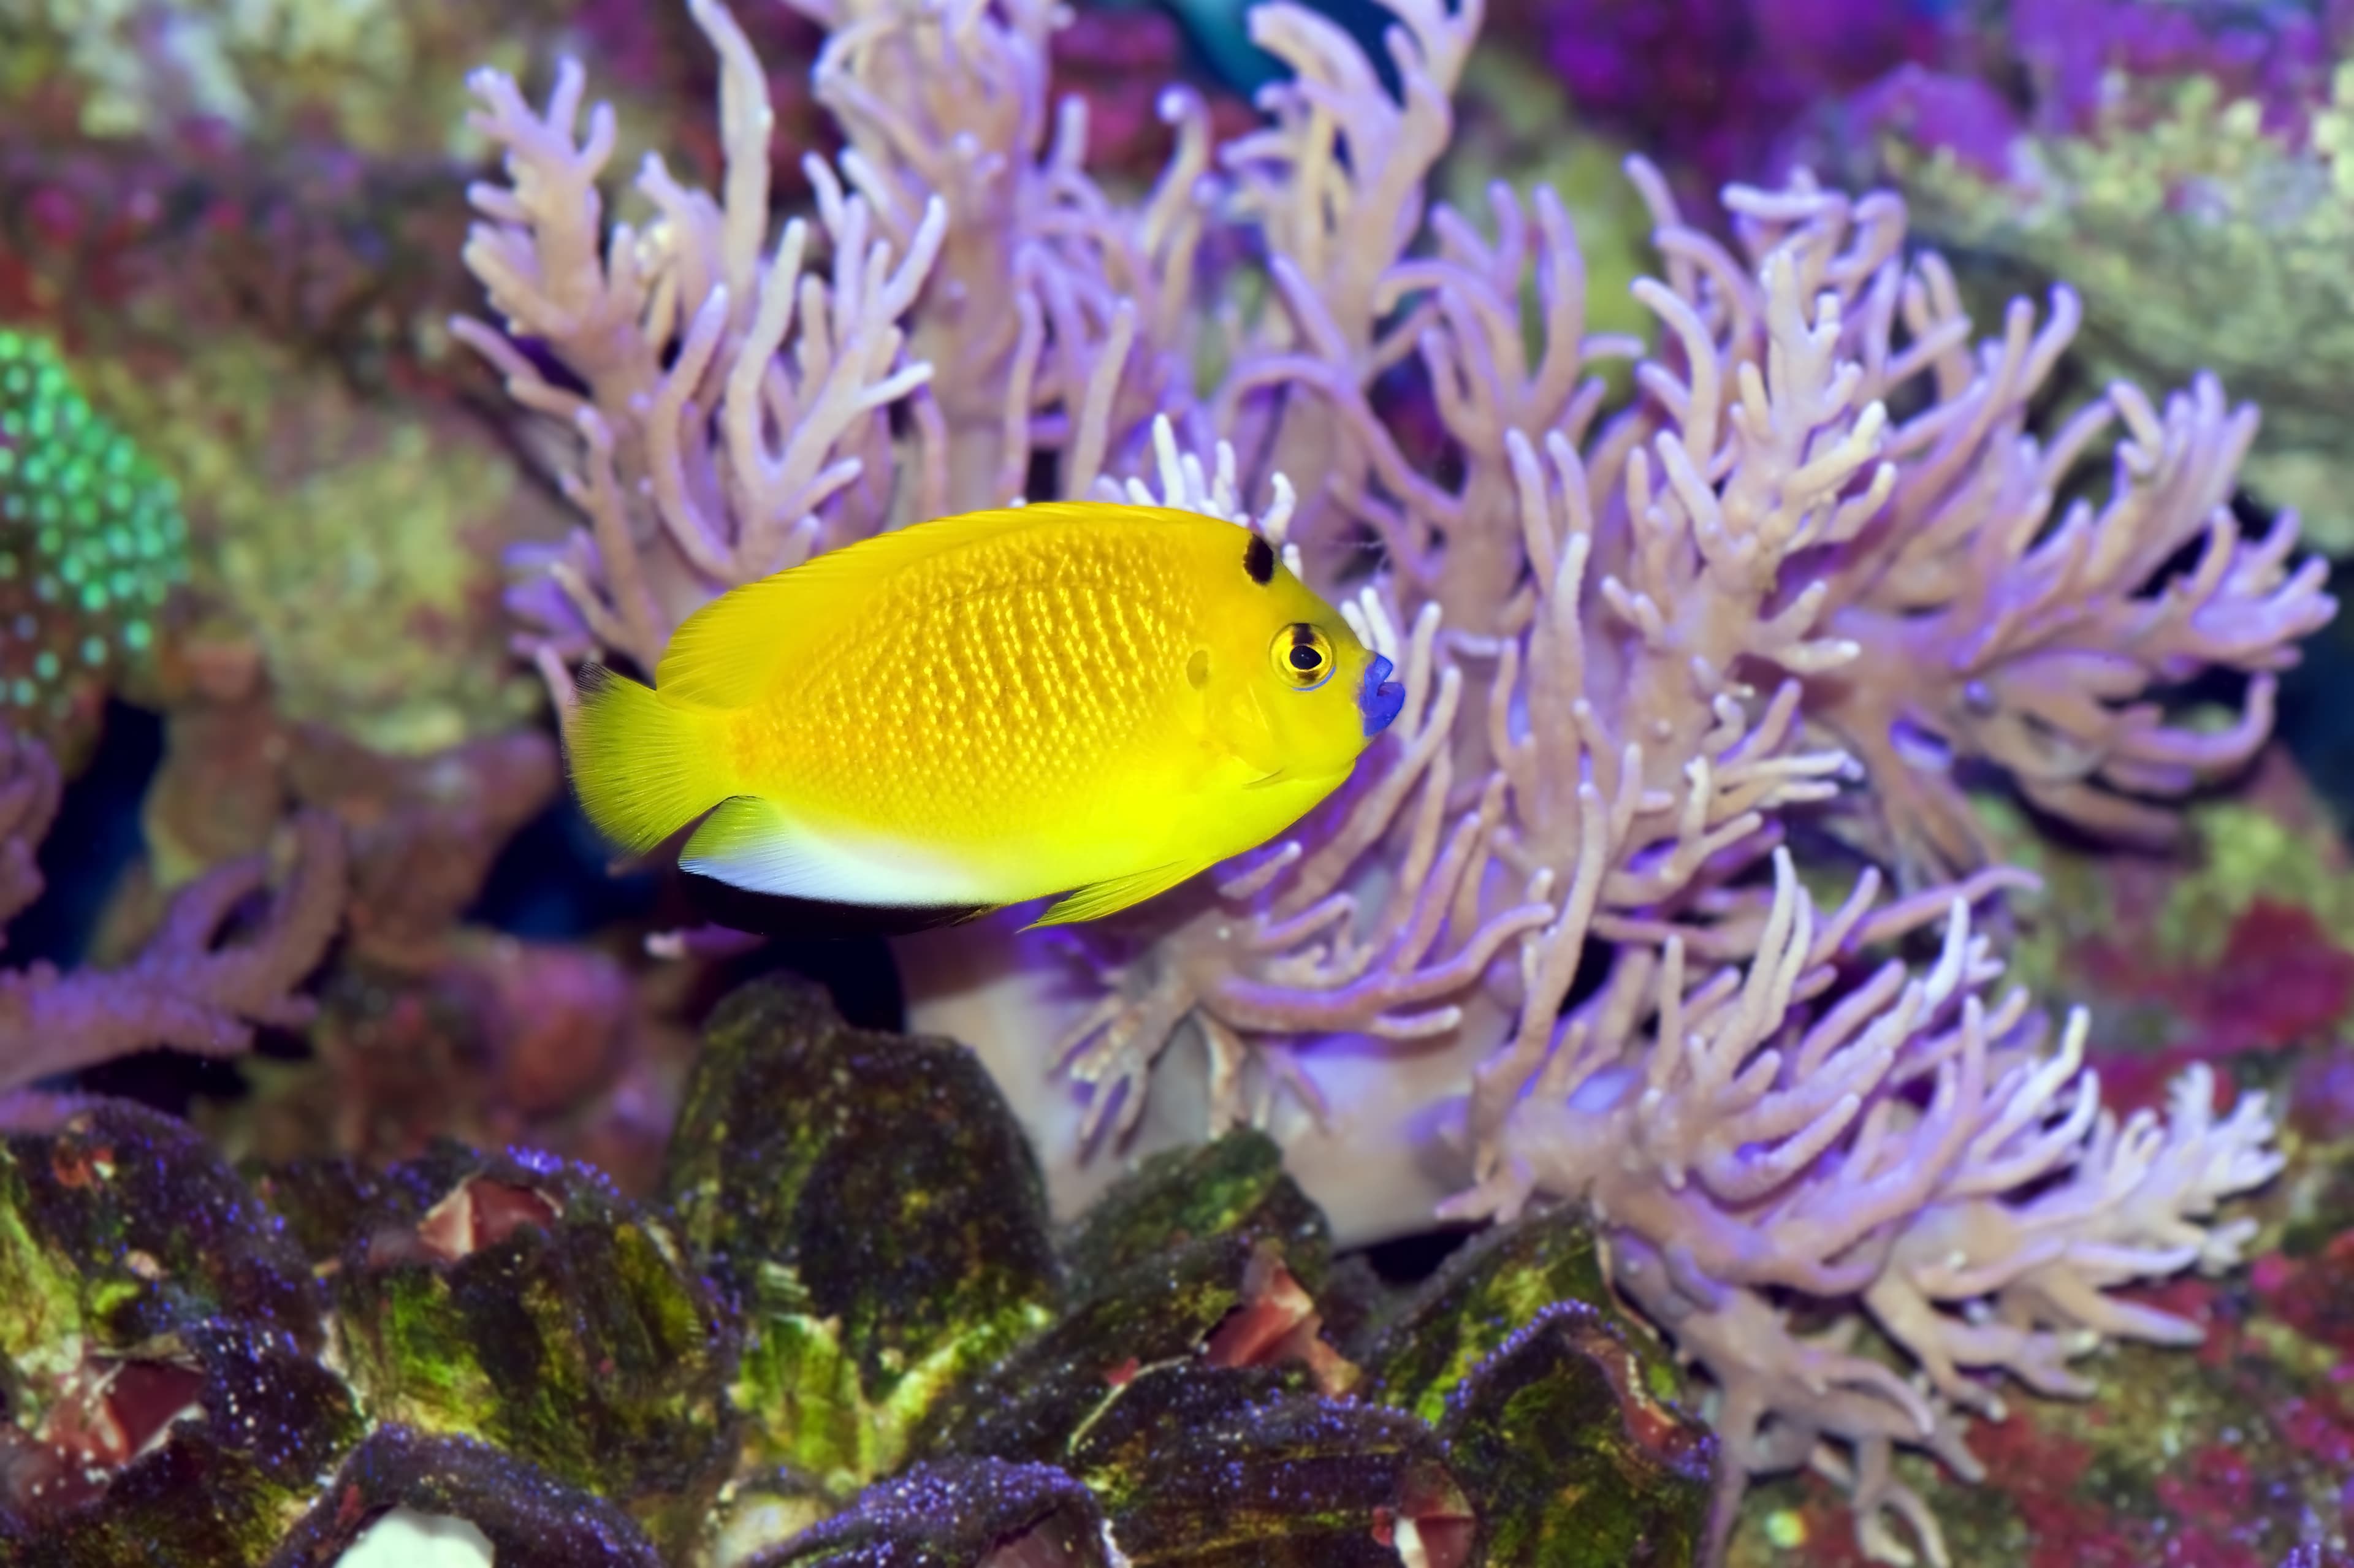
x,y
91,540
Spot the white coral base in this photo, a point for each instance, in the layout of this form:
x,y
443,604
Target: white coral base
x,y
1379,1166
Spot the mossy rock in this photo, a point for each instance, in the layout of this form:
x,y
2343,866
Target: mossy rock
x,y
119,1224
1213,1467
871,1203
1568,1457
521,1300
1232,1185
960,1514
191,1449
530,1519
1161,1309
849,1340
1417,1356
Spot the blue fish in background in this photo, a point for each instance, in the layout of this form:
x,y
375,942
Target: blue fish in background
x,y
1218,34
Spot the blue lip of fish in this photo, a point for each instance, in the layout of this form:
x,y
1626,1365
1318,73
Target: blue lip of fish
x,y
1380,697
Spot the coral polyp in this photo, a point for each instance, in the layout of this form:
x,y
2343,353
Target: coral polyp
x,y
91,542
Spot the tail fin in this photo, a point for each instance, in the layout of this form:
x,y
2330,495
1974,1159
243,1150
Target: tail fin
x,y
642,768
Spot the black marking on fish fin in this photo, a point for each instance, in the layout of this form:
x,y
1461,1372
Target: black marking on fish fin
x,y
1258,560
816,919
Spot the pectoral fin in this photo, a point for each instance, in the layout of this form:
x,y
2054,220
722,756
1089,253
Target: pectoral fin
x,y
1112,895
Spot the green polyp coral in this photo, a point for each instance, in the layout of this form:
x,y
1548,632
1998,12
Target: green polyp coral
x,y
92,542
2199,240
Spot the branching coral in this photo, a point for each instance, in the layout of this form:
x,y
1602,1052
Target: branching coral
x,y
1822,546
1897,1138
709,454
1986,627
1054,320
737,416
204,981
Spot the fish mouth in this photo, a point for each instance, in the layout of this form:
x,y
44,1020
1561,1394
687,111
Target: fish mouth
x,y
1380,698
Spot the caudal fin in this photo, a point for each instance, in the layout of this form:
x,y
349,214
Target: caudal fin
x,y
642,768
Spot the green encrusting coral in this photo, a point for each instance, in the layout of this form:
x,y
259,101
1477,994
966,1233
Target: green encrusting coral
x,y
850,1337
91,542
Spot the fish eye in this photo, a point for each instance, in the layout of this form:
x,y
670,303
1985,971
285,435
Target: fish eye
x,y
1302,656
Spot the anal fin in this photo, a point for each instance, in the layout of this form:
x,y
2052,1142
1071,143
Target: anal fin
x,y
1098,899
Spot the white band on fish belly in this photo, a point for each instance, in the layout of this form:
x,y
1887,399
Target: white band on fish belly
x,y
753,843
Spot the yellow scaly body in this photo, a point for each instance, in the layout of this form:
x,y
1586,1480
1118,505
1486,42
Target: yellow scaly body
x,y
988,709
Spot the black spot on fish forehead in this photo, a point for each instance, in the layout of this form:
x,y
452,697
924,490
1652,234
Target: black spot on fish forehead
x,y
1258,560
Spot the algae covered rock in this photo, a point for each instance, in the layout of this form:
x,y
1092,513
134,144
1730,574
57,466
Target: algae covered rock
x,y
159,1331
521,1300
1202,1467
191,1449
850,1339
1159,1311
973,1513
872,1204
530,1520
1568,1457
1194,1241
1232,1185
1559,1413
121,1225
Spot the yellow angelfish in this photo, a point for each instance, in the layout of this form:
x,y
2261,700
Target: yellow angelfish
x,y
1086,698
